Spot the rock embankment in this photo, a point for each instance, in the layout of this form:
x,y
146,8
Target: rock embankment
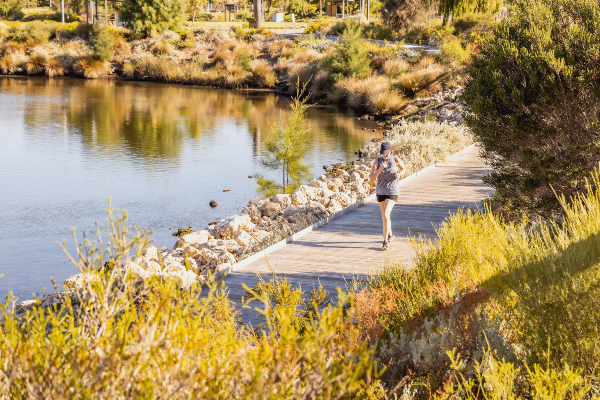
x,y
261,223
445,106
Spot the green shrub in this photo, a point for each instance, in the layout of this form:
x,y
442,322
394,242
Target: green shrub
x,y
144,16
102,41
122,337
350,58
534,98
9,8
452,53
32,33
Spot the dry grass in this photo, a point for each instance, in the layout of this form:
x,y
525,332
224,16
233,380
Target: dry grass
x,y
161,48
35,64
303,56
374,94
90,68
298,76
395,67
10,63
282,48
55,67
422,81
421,144
320,83
427,62
263,74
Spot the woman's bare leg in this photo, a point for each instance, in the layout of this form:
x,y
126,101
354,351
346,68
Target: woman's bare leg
x,y
386,213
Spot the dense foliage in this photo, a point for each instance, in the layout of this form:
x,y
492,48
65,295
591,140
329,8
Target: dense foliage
x,y
122,337
535,101
351,57
9,8
102,42
145,16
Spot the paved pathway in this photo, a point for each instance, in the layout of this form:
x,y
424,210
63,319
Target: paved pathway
x,y
351,245
292,34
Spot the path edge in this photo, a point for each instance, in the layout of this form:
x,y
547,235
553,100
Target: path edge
x,y
290,239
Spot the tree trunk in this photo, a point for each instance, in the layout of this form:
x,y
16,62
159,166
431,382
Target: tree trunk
x,y
194,16
303,7
258,12
320,8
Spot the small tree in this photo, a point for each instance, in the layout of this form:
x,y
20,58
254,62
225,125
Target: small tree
x,y
144,16
102,41
10,7
351,57
194,6
534,98
285,152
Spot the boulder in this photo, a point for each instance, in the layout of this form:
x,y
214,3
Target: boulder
x,y
323,193
270,208
294,214
318,184
354,176
317,210
258,235
50,300
303,194
243,239
174,261
364,174
133,269
252,211
185,278
284,200
341,198
26,305
153,267
198,237
335,184
340,173
78,281
226,227
334,207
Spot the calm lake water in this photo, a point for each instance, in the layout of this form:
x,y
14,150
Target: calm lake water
x,y
161,152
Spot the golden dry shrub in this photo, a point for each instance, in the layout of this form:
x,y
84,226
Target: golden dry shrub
x,y
281,48
160,48
223,54
263,73
320,82
395,66
422,82
35,64
55,67
303,56
129,70
374,94
90,68
8,64
298,77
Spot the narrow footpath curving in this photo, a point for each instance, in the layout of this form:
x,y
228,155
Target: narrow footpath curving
x,y
351,245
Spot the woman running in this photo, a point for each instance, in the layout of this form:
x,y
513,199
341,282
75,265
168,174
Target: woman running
x,y
385,170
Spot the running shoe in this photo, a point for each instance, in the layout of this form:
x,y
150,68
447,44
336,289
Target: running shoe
x,y
390,238
385,246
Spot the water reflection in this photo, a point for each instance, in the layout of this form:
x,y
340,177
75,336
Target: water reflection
x,y
162,152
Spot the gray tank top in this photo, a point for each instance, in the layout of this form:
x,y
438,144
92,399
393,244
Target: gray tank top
x,y
387,183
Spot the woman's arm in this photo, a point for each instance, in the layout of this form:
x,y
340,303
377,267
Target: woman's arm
x,y
374,170
401,166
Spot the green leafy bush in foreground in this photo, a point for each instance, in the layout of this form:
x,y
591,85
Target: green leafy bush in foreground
x,y
535,102
124,338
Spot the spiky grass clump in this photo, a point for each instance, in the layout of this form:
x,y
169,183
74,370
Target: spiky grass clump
x,y
281,48
298,76
395,66
8,64
161,48
35,65
422,81
374,94
263,74
90,68
55,67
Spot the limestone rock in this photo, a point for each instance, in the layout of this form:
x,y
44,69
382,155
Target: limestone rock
x,y
354,176
133,269
185,278
198,237
226,227
25,306
78,281
342,198
243,239
303,194
284,200
317,210
294,214
153,267
334,207
270,208
335,184
340,173
50,300
253,212
318,184
258,235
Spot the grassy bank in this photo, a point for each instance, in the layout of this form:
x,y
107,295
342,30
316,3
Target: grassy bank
x,y
388,79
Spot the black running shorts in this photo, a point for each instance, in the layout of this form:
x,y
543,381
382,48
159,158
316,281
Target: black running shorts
x,y
384,197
